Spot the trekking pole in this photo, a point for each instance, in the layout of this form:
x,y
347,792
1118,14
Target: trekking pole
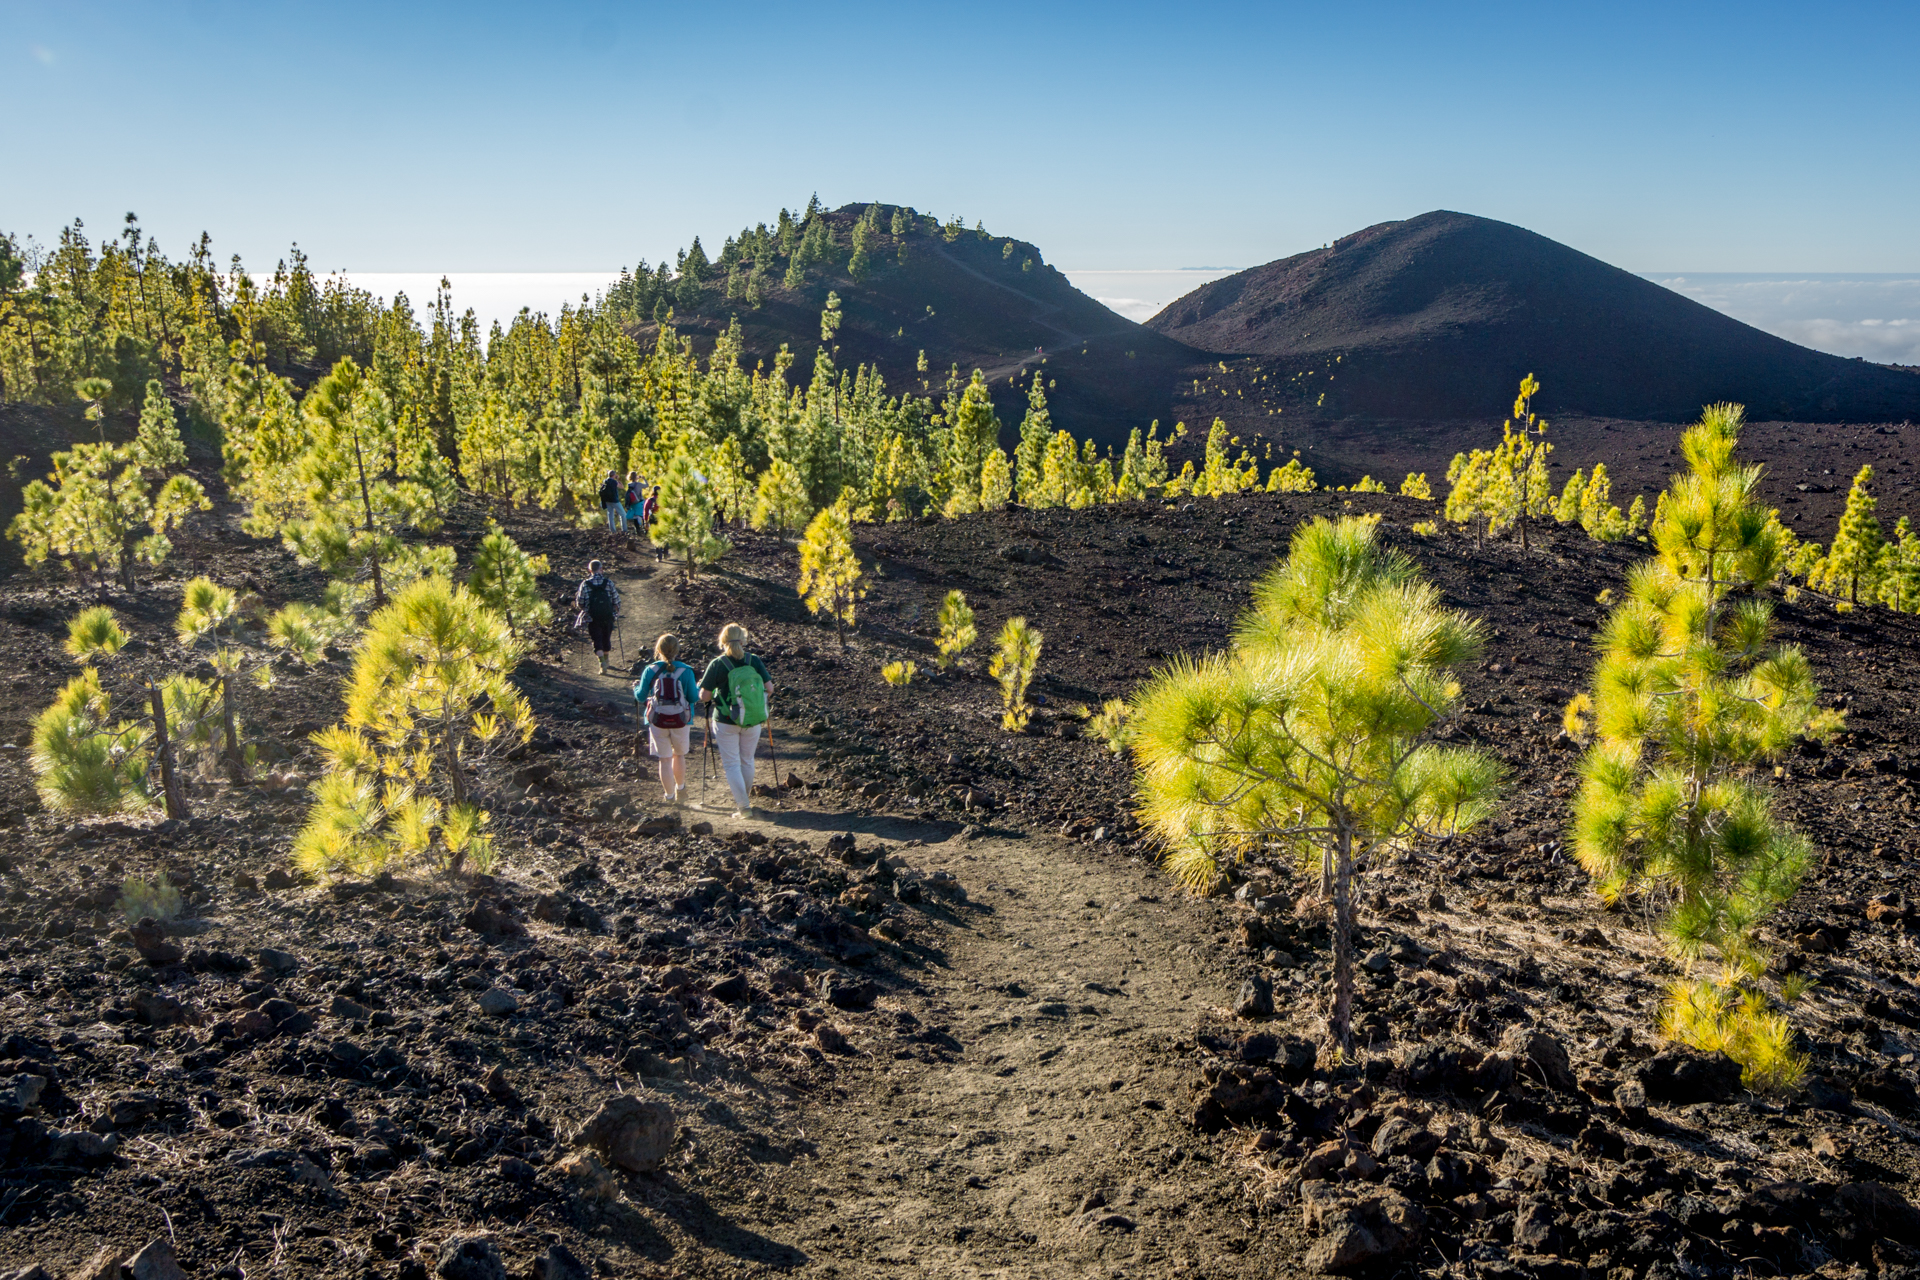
x,y
773,754
620,629
706,761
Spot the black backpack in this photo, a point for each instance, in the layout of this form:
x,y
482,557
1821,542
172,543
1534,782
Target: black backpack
x,y
599,599
609,493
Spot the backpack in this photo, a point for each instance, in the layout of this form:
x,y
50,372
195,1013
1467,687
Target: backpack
x,y
667,705
599,599
746,694
633,495
609,493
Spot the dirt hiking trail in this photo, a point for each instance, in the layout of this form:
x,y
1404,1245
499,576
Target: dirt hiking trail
x,y
1066,989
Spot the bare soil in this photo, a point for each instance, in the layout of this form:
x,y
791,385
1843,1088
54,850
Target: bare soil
x,y
1029,1065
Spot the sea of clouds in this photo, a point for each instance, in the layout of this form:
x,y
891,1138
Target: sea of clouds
x,y
1875,317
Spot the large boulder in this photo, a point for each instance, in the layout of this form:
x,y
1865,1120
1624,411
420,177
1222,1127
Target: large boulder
x,y
1357,1229
1678,1075
630,1131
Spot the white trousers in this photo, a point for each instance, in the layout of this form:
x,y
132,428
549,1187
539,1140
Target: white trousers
x,y
736,747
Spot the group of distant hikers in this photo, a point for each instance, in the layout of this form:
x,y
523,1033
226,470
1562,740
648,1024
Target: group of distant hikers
x,y
633,506
732,694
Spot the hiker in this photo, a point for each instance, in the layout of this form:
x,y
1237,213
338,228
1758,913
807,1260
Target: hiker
x,y
667,692
610,499
735,690
635,500
651,513
599,603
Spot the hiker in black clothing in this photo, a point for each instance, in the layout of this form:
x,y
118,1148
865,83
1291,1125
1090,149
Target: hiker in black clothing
x,y
652,512
610,498
599,603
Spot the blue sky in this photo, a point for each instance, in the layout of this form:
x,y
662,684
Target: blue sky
x,y
1665,138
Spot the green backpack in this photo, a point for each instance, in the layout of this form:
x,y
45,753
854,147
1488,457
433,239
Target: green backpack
x,y
746,694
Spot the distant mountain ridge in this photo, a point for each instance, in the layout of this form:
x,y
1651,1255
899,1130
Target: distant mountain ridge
x,y
1437,317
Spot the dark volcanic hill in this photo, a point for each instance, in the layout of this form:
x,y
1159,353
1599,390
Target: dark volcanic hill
x,y
1439,316
980,301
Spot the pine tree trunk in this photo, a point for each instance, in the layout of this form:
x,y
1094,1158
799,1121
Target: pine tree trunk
x,y
163,751
1340,1015
229,727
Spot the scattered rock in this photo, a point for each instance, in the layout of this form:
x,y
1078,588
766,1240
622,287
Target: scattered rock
x,y
1255,999
1357,1228
277,880
20,1094
488,917
665,824
34,1272
497,1002
500,1088
163,1011
150,940
589,1177
470,1258
156,1262
1400,1136
274,960
105,1264
1678,1076
829,1040
351,1010
630,1131
558,1263
80,1144
731,989
1544,1053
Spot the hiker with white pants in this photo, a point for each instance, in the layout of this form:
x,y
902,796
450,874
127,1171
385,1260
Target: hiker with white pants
x,y
735,689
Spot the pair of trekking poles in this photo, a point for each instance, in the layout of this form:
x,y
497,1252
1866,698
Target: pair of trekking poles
x,y
707,755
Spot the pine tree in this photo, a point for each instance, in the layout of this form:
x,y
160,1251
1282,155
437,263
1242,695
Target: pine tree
x,y
355,502
1416,486
684,523
84,761
429,704
1507,485
102,508
1016,654
1687,699
972,429
996,480
1308,734
1036,429
830,579
1853,558
781,502
1898,571
507,580
1295,477
957,632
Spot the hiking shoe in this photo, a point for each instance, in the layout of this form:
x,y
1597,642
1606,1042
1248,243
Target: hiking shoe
x,y
742,814
679,794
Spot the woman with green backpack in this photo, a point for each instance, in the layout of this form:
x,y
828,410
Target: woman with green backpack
x,y
735,688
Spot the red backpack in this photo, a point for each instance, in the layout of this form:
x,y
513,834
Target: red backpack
x,y
667,704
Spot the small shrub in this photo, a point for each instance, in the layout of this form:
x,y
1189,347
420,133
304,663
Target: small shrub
x,y
141,899
1012,666
1426,529
1713,1018
94,633
1577,719
898,674
1109,724
1416,486
84,761
957,632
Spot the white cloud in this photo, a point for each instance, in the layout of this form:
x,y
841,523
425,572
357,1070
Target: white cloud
x,y
1875,317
